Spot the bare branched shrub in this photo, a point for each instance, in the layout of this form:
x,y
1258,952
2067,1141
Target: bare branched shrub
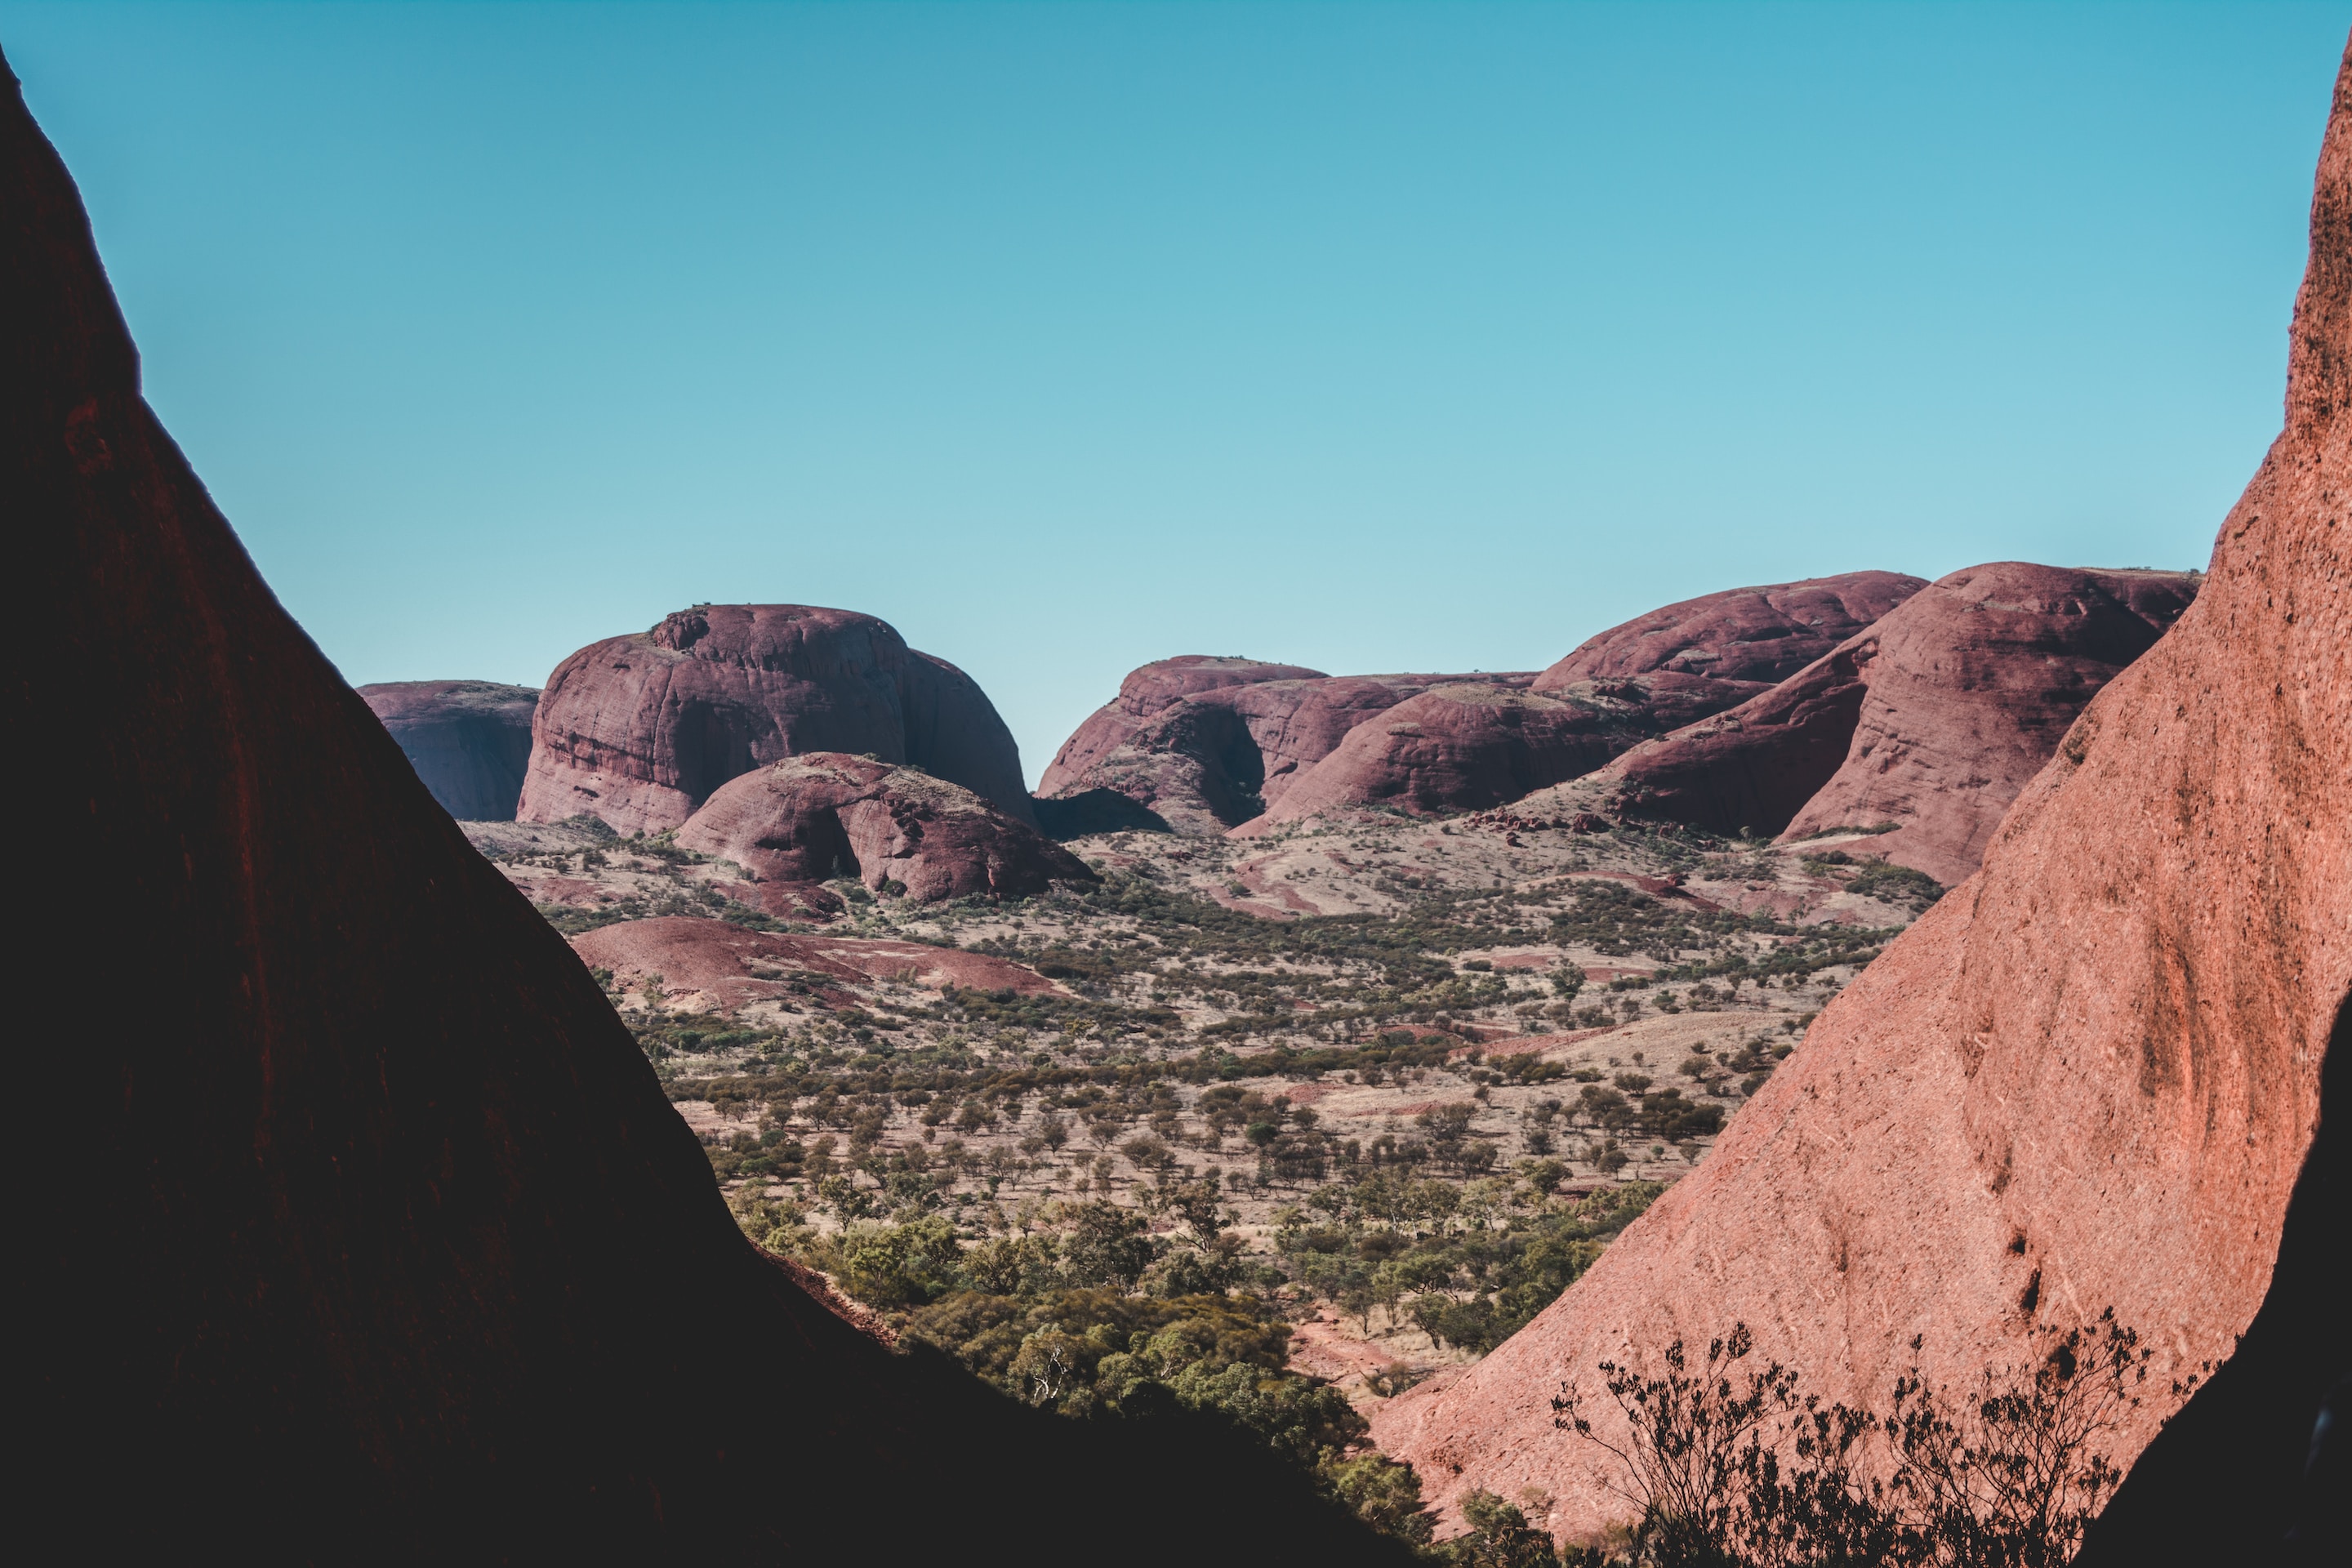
x,y
1728,1466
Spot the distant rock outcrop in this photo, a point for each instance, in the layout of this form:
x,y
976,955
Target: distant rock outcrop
x,y
469,740
1204,744
367,1232
1753,634
639,731
823,814
715,964
1464,746
1931,718
2087,1079
1976,681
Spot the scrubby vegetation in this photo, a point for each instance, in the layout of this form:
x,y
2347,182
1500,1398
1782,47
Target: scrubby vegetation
x,y
1728,1465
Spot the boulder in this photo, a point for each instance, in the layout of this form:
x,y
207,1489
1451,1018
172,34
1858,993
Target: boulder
x,y
1464,746
469,740
822,814
363,1230
1754,634
1976,680
639,731
2087,1079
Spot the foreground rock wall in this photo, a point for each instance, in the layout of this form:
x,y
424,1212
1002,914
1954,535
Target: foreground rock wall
x,y
469,740
363,1232
2089,1077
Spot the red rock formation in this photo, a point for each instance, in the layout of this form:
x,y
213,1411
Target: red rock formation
x,y
640,729
728,967
822,814
1142,697
360,1229
1464,746
469,740
1761,635
1934,716
1205,744
2089,1075
1976,681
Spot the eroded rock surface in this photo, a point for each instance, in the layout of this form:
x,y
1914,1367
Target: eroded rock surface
x,y
2086,1079
822,816
469,740
639,731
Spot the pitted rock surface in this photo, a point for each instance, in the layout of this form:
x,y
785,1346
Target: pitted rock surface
x,y
825,815
469,740
639,731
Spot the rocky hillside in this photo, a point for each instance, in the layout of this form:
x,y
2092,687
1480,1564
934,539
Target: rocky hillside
x,y
2087,1079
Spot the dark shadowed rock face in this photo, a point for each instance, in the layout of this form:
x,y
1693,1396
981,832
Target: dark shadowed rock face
x,y
639,729
825,815
1750,768
1464,746
469,740
2087,1080
389,1247
1975,682
1761,635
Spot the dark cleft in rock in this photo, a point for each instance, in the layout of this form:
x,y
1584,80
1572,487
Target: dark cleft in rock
x,y
640,729
825,815
363,1231
469,740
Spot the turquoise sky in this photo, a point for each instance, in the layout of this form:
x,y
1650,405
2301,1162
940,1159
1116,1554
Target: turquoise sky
x,y
1066,337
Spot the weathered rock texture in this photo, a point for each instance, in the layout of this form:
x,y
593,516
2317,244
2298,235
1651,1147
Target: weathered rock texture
x,y
1754,634
640,729
1977,679
363,1231
713,965
1932,717
823,814
2088,1077
1466,745
469,740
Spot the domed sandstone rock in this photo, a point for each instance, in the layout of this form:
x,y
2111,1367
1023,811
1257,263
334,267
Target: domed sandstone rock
x,y
639,731
823,814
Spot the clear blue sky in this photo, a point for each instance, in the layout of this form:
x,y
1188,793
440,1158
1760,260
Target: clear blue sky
x,y
1066,337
